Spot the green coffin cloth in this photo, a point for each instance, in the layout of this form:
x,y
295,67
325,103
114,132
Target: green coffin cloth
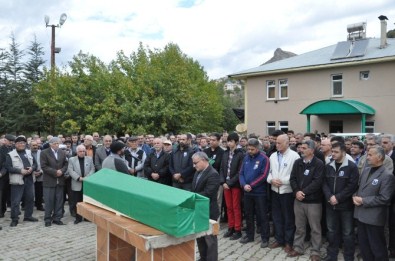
x,y
174,211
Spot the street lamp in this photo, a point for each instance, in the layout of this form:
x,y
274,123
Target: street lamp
x,y
54,49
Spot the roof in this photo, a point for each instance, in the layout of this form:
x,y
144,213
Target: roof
x,y
326,107
322,58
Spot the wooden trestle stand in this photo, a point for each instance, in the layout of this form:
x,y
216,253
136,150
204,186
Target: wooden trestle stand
x,y
122,238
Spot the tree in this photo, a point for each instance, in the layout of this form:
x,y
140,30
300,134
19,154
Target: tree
x,y
155,91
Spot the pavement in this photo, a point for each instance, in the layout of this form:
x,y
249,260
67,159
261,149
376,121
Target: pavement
x,y
33,241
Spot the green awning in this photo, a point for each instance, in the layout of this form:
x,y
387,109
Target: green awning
x,y
333,107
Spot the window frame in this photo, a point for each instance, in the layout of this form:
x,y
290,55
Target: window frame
x,y
369,127
361,75
267,90
280,86
333,81
284,128
273,126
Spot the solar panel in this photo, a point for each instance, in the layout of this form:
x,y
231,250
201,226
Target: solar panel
x,y
359,48
342,50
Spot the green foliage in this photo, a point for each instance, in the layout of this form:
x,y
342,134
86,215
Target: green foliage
x,y
150,91
391,33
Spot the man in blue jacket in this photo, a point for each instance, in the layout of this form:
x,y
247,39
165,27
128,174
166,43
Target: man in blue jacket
x,y
253,176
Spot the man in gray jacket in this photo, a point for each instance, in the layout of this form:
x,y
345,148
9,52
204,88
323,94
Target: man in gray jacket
x,y
79,168
371,204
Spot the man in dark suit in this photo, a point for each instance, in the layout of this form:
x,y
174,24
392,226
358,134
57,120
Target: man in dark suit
x,y
371,204
54,165
102,152
206,183
156,166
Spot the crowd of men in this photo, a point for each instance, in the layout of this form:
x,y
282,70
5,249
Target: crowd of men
x,y
308,185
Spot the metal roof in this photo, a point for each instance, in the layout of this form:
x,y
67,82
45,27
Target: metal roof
x,y
322,57
330,107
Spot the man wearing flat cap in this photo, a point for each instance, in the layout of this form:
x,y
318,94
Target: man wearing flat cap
x,y
20,164
4,179
115,160
54,165
135,157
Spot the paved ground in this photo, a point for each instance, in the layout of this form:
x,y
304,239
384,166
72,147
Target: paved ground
x,y
34,241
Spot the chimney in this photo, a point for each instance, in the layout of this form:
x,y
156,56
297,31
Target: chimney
x,y
383,38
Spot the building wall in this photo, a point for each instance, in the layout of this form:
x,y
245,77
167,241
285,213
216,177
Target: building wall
x,y
305,88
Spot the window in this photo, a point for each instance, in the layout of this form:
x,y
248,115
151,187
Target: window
x,y
271,127
337,85
369,127
283,125
271,90
364,75
283,89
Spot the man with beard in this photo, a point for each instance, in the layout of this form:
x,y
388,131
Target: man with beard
x,y
20,164
340,183
54,165
115,160
102,152
156,166
181,165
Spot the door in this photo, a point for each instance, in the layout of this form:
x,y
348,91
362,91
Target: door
x,y
335,126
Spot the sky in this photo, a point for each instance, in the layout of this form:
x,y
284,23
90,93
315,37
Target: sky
x,y
224,36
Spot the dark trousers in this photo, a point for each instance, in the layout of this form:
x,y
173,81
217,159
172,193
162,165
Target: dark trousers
x,y
53,197
391,225
38,194
208,248
340,222
68,192
184,186
77,197
17,191
372,242
4,193
258,202
283,217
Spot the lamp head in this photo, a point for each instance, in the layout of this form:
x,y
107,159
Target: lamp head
x,y
46,19
62,19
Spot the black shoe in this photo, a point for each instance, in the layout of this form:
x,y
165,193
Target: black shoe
x,y
31,219
236,235
48,224
1,215
1,228
77,221
244,229
14,223
60,223
229,233
245,240
41,208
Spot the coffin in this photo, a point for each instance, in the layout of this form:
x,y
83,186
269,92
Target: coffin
x,y
174,211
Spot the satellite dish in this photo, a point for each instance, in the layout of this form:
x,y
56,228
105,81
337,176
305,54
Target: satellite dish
x,y
241,128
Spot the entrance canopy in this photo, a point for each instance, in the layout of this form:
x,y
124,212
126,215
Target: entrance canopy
x,y
338,107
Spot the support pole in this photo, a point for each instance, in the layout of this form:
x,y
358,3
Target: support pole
x,y
308,123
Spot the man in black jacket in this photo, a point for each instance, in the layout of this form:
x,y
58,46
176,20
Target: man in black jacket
x,y
340,183
181,166
229,176
156,166
306,182
4,178
206,183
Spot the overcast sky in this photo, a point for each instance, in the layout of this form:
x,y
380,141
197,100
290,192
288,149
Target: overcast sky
x,y
225,36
